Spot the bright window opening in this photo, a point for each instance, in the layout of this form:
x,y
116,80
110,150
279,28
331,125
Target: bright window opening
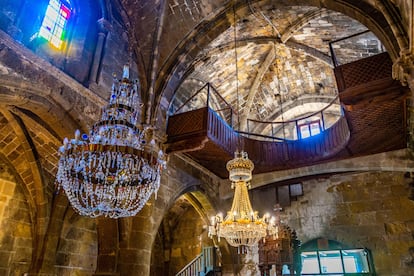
x,y
309,129
54,23
335,262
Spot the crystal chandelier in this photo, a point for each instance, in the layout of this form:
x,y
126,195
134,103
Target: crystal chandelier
x,y
113,171
242,226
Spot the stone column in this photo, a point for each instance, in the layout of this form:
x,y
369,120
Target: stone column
x,y
104,27
45,265
403,70
108,246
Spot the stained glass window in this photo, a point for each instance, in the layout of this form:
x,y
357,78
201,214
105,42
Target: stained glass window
x,y
54,23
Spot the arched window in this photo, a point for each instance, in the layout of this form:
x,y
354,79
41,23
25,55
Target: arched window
x,y
53,27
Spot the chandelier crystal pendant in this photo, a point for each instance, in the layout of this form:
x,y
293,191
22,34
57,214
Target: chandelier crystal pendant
x,y
242,226
113,171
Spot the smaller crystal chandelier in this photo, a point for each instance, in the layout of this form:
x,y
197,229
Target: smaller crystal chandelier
x,y
242,226
113,171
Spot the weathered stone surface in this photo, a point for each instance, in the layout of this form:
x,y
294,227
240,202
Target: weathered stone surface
x,y
41,104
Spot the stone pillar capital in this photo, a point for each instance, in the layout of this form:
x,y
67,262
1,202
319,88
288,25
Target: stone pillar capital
x,y
403,68
104,25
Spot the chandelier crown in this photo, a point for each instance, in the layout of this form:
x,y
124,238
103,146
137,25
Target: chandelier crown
x,y
114,170
240,167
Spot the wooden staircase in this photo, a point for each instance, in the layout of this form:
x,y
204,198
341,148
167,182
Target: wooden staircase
x,y
204,264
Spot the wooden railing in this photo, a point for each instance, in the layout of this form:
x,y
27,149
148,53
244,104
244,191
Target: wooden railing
x,y
278,129
329,142
207,96
200,265
208,138
340,57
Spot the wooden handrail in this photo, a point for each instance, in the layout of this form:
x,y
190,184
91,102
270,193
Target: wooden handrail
x,y
201,264
298,119
281,124
208,85
189,99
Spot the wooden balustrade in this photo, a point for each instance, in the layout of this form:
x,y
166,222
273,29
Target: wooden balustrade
x,y
216,141
201,265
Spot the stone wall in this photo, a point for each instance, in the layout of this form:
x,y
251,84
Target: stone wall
x,y
15,224
78,248
369,210
180,239
187,240
361,210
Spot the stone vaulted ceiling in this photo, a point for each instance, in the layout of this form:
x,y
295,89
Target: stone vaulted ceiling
x,y
284,63
285,68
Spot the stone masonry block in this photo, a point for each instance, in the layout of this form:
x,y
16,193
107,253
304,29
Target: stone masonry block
x,y
7,188
395,228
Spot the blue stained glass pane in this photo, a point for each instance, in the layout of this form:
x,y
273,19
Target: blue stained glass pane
x,y
45,33
56,42
58,32
54,23
55,4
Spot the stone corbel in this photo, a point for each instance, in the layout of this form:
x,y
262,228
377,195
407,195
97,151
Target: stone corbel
x,y
403,69
104,25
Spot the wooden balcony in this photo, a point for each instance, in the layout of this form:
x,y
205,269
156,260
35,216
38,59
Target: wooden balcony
x,y
207,139
374,121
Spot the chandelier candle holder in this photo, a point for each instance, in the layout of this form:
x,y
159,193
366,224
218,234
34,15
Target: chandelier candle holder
x,y
242,226
115,169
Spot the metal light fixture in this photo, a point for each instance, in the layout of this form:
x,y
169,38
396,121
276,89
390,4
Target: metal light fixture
x,y
242,226
113,171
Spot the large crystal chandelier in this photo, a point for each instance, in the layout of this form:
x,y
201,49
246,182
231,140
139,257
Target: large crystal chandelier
x,y
114,170
242,226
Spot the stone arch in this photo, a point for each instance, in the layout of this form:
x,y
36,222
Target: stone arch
x,y
50,108
16,220
302,21
18,152
24,158
32,112
185,221
172,71
29,108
